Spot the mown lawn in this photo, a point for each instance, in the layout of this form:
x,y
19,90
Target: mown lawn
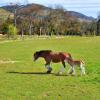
x,y
26,80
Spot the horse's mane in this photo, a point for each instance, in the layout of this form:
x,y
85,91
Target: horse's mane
x,y
45,51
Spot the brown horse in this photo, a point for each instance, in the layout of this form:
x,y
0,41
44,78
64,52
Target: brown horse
x,y
51,56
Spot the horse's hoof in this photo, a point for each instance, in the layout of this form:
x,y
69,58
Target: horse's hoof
x,y
48,72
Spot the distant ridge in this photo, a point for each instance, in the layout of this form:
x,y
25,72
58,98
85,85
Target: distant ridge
x,y
81,16
30,8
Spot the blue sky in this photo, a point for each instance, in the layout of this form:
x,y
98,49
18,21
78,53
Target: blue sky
x,y
87,7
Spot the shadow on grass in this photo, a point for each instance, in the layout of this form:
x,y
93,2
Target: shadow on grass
x,y
34,73
38,73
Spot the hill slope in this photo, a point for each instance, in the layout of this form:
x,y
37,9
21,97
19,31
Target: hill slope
x,y
36,8
4,14
80,15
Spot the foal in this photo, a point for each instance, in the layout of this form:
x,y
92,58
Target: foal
x,y
74,63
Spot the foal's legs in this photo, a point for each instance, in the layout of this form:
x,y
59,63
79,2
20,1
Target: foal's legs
x,y
49,69
71,70
82,68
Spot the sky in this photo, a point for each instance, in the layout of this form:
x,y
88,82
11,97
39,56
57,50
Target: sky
x,y
87,7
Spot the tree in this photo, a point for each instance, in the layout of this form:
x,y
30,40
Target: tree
x,y
5,28
98,24
12,32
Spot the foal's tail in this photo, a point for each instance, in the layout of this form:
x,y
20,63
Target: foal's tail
x,y
83,62
69,58
82,66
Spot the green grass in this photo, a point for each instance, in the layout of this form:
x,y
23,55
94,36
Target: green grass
x,y
19,81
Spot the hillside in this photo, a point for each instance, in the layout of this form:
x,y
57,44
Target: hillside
x,y
4,14
81,16
42,10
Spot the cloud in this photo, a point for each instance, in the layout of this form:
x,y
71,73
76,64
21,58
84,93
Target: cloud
x,y
64,1
48,1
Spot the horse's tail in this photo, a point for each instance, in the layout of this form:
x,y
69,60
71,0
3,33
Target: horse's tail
x,y
69,58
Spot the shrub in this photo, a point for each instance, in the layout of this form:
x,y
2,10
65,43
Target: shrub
x,y
12,31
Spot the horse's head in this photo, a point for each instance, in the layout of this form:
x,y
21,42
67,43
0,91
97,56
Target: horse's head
x,y
41,53
35,56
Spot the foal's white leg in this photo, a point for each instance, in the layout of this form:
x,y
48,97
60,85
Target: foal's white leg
x,y
82,69
70,70
73,70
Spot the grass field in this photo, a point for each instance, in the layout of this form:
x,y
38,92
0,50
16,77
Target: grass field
x,y
25,79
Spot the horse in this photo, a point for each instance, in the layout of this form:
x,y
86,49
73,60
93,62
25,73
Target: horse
x,y
54,57
79,63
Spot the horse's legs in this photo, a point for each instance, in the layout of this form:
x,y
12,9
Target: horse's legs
x,y
62,68
49,69
63,64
